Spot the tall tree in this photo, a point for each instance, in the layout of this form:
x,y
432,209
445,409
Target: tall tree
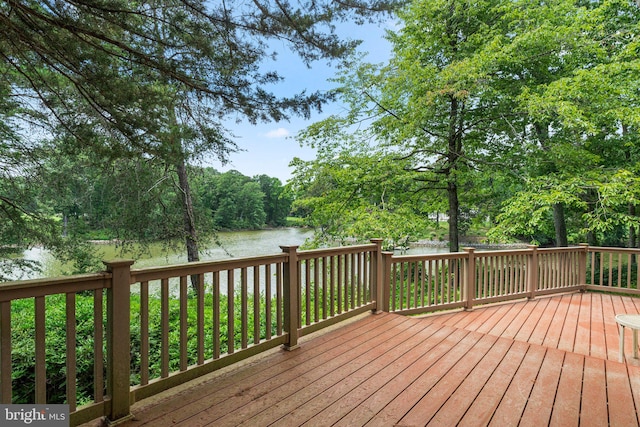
x,y
354,191
587,97
155,80
440,103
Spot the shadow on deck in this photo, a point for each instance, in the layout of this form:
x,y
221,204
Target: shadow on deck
x,y
548,361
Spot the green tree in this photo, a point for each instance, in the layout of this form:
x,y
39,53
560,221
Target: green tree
x,y
277,201
584,107
352,192
485,99
131,200
234,200
154,80
527,214
440,105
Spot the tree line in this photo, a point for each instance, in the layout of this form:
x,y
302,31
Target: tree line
x,y
134,201
137,203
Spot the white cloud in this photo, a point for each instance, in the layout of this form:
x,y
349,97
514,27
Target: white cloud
x,y
277,133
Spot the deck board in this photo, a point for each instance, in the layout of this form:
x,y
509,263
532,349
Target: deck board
x,y
622,410
584,327
331,386
566,408
389,392
598,336
554,332
255,394
540,332
431,401
551,360
540,403
454,409
334,412
415,390
568,334
539,308
514,400
383,368
235,387
483,407
634,377
611,330
594,394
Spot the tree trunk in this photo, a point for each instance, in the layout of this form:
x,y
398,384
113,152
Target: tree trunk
x,y
454,209
542,131
191,235
190,231
454,151
560,225
633,237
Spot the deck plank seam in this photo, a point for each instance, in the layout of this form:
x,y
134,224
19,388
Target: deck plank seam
x,y
344,351
387,361
419,329
453,349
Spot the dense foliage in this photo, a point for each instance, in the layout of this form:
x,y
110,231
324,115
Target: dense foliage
x,y
519,115
102,208
144,88
23,342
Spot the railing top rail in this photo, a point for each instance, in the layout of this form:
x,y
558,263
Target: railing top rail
x,y
580,248
51,286
53,281
426,257
317,253
502,252
200,267
610,249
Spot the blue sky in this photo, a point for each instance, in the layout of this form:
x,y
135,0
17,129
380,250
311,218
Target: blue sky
x,y
269,147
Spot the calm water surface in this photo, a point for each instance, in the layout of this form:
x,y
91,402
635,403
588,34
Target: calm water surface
x,y
235,244
232,245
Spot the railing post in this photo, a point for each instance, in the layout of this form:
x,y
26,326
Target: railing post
x,y
377,280
582,265
532,271
386,280
470,289
291,297
118,340
5,353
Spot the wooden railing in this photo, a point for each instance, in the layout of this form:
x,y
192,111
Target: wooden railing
x,y
131,333
154,328
428,283
613,269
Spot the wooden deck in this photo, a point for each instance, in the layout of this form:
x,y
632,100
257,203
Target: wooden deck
x,y
549,361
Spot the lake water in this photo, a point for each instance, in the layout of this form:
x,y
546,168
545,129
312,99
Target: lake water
x,y
234,244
